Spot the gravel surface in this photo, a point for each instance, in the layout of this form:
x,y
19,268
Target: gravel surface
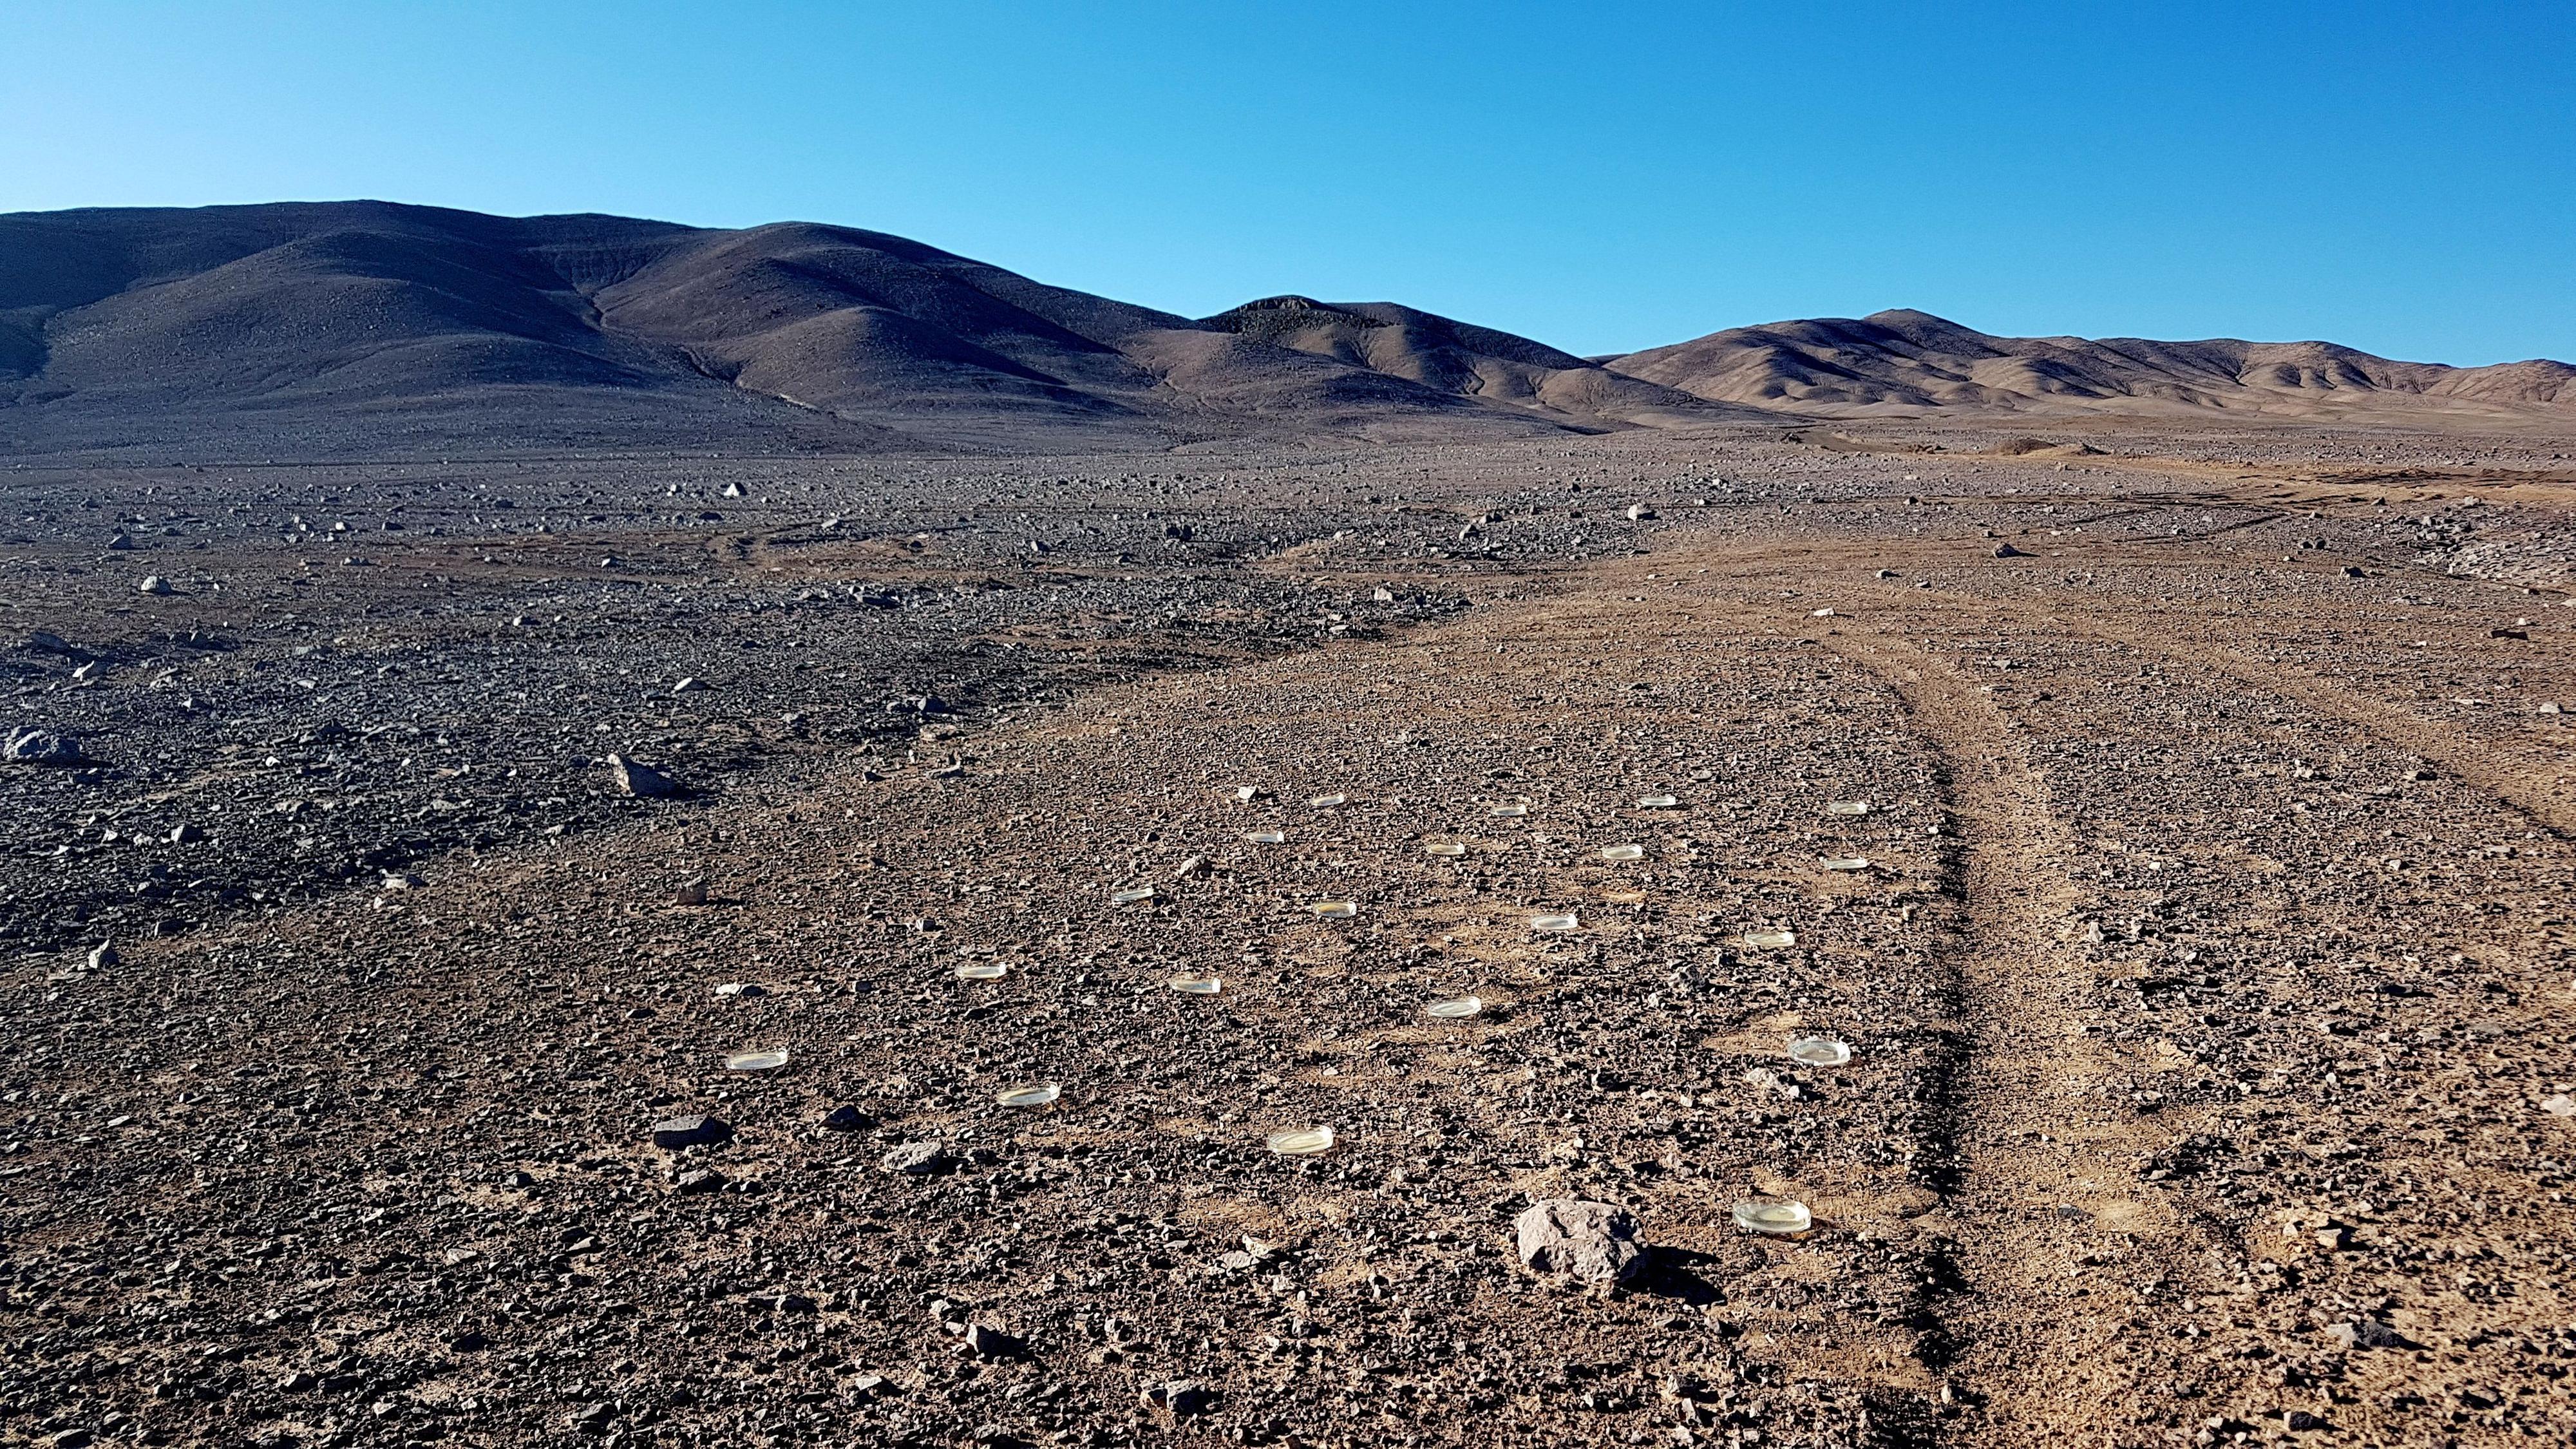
x,y
2201,951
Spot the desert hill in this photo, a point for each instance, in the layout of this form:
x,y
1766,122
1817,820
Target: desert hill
x,y
1913,360
1462,358
358,325
329,329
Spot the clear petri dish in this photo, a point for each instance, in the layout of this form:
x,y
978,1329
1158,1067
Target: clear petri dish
x,y
1623,852
1564,922
1444,847
1847,862
1848,807
1032,1094
1770,940
1131,897
1335,910
1327,802
982,971
1302,1141
762,1061
1455,1008
1266,837
1197,985
1657,802
1819,1051
1509,812
1774,1219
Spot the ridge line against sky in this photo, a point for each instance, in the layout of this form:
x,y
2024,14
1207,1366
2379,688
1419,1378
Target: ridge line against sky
x,y
2398,182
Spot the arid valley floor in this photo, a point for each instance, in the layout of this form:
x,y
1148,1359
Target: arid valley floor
x,y
2203,951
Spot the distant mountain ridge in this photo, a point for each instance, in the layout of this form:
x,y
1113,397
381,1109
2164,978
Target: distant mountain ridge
x,y
335,328
1460,358
1912,360
355,326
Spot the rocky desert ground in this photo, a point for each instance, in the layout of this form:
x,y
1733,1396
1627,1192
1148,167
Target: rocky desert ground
x,y
2171,824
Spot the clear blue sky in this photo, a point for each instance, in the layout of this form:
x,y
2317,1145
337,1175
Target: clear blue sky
x,y
2401,177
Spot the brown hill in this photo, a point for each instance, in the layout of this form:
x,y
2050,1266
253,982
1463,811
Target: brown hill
x,y
1465,360
332,329
362,326
1908,361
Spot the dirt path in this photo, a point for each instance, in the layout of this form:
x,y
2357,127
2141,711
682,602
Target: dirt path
x,y
2038,1147
2116,1244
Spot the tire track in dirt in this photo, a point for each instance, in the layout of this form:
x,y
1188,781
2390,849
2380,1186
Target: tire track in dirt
x,y
2022,1148
2041,1343
2025,1153
2527,783
2034,1147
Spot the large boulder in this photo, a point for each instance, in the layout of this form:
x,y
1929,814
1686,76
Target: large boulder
x,y
1592,1242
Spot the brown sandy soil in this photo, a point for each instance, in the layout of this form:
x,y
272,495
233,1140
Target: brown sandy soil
x,y
2207,987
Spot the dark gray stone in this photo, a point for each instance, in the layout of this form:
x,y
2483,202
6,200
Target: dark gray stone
x,y
690,1132
41,747
919,1159
2367,1333
1183,1397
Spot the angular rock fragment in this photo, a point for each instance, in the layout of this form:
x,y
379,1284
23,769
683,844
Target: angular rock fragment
x,y
29,746
918,1159
639,780
2367,1333
1183,1397
675,1132
1593,1242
